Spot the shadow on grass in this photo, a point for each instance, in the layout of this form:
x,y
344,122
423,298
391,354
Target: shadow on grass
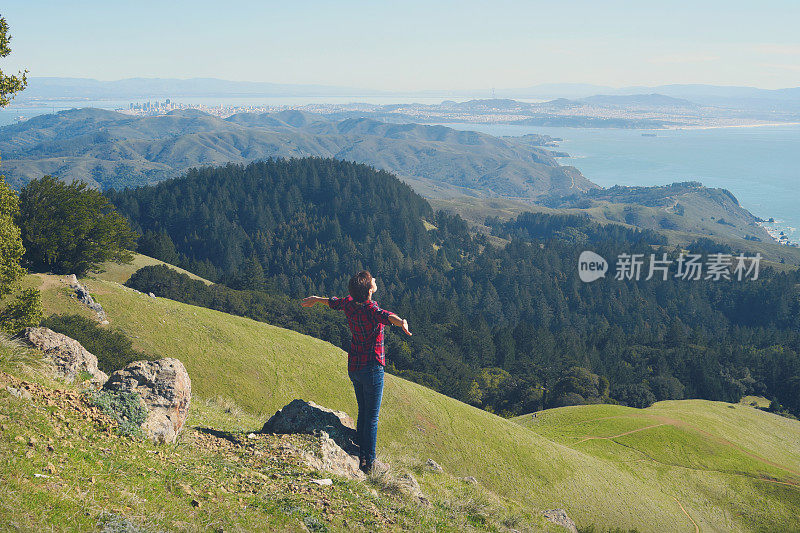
x,y
227,435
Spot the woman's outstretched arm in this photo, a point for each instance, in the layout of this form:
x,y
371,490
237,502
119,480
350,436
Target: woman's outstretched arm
x,y
309,301
402,322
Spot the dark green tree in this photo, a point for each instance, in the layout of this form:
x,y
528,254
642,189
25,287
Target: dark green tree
x,y
9,85
71,228
26,309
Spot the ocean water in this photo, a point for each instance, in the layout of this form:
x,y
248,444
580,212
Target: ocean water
x,y
759,165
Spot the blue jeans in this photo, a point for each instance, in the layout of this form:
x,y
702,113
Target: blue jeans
x,y
368,384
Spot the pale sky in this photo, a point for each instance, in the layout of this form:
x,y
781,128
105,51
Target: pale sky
x,y
400,45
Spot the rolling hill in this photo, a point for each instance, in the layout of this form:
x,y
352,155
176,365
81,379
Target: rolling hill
x,y
688,476
109,149
722,446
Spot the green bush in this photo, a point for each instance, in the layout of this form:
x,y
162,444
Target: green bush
x,y
124,407
114,350
24,311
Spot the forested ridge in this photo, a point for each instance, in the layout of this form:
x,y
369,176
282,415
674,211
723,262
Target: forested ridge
x,y
511,329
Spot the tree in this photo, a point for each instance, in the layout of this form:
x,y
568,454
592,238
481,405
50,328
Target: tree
x,y
26,309
11,249
71,228
9,85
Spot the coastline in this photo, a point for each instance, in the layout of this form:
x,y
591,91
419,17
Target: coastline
x,y
719,127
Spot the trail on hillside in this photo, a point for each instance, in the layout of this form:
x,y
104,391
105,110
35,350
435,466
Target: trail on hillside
x,y
696,527
620,435
681,423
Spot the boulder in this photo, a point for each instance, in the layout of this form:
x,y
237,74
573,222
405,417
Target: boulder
x,y
559,517
68,356
300,416
332,458
166,390
85,298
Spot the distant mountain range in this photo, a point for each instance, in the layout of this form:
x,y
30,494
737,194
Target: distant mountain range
x,y
110,149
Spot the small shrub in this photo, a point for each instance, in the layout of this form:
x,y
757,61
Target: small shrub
x,y
315,524
113,349
114,523
25,311
124,407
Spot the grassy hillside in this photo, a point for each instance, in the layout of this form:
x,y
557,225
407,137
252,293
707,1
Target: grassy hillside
x,y
699,220
261,368
718,459
120,272
64,468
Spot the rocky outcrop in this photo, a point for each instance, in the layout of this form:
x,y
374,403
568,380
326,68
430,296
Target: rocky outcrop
x,y
559,517
338,453
433,466
166,390
300,416
68,356
332,458
85,298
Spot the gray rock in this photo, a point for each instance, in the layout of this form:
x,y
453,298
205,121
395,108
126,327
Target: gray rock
x,y
151,295
469,479
300,416
68,356
19,393
85,298
409,484
559,517
433,466
332,458
166,389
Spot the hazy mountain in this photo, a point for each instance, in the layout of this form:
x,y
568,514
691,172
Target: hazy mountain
x,y
653,100
109,149
52,87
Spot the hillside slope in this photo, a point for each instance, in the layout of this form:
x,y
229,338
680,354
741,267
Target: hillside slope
x,y
262,367
733,453
65,468
109,149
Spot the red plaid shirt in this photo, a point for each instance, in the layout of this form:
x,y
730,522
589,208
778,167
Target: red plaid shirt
x,y
366,322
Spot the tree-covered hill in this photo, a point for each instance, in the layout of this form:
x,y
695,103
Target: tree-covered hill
x,y
109,149
509,328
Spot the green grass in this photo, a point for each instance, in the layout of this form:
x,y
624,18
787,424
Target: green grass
x,y
755,401
536,466
720,460
121,272
65,468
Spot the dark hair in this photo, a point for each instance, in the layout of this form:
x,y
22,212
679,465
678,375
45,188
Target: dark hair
x,y
359,286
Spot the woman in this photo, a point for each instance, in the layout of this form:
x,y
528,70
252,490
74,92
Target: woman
x,y
366,358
